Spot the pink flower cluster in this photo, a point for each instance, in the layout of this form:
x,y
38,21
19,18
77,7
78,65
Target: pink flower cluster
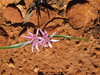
x,y
43,40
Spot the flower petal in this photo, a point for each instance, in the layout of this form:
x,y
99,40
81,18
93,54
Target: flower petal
x,y
32,48
27,43
42,32
37,32
52,34
40,38
54,40
50,44
36,46
31,34
46,33
26,37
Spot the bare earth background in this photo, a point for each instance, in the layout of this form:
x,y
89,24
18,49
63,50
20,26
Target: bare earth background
x,y
79,18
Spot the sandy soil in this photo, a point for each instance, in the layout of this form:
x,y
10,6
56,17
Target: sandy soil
x,y
78,18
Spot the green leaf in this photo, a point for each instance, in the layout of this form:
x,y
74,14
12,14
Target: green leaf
x,y
56,36
13,46
69,37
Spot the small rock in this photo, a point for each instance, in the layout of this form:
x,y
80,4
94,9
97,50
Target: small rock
x,y
80,15
11,65
36,69
81,18
6,2
12,14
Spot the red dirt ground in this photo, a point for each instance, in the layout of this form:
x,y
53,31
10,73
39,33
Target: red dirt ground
x,y
79,18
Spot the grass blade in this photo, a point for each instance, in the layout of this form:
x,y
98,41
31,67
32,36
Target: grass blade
x,y
69,37
13,46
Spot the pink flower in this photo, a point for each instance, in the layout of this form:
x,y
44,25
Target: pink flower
x,y
34,40
47,39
